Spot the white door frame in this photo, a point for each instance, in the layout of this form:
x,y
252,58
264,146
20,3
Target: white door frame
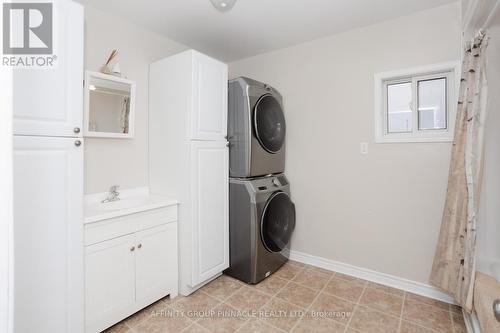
x,y
6,203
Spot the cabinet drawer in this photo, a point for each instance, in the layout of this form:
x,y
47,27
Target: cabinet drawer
x,y
123,225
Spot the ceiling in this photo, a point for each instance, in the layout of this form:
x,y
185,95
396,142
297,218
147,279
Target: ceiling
x,y
256,26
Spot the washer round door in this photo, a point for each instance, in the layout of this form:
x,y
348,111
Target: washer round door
x,y
277,222
269,123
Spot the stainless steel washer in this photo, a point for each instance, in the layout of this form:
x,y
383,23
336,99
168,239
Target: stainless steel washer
x,y
261,223
256,129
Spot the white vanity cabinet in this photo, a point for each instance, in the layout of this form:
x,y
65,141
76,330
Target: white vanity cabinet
x,y
155,262
189,159
109,282
130,262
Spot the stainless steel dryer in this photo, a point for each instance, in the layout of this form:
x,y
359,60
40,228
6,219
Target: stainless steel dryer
x,y
256,129
261,223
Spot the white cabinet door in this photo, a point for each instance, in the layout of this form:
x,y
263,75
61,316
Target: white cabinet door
x,y
48,235
50,101
156,263
209,107
109,282
209,195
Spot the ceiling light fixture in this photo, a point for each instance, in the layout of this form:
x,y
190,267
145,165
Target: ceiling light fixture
x,y
223,5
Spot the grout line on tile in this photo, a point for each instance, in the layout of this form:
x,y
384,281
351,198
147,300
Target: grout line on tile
x,y
423,327
385,292
244,285
222,304
311,289
402,310
279,289
275,297
233,293
241,286
379,311
197,319
451,319
197,325
298,284
282,287
363,292
356,306
344,299
314,300
427,304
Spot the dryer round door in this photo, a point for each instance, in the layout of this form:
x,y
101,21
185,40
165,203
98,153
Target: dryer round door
x,y
277,222
269,123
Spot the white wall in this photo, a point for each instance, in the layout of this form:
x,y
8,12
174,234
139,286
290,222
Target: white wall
x,y
113,161
489,221
383,210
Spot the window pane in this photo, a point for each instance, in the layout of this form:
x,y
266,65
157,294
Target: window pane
x,y
399,115
432,104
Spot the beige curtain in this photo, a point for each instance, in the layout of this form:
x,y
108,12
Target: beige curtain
x,y
454,262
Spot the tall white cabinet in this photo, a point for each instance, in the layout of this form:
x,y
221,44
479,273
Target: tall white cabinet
x,y
48,185
48,235
189,159
49,101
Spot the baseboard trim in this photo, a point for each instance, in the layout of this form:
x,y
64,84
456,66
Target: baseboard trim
x,y
374,276
472,322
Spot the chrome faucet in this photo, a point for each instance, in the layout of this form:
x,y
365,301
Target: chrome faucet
x,y
113,194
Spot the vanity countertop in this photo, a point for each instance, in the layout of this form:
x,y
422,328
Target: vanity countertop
x,y
131,201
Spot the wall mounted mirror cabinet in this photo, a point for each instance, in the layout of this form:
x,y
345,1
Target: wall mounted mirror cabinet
x,y
109,106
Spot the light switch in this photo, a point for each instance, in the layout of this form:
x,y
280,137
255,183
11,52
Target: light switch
x,y
363,148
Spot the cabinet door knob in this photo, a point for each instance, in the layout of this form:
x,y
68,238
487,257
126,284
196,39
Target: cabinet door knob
x,y
139,246
132,249
78,143
228,144
76,129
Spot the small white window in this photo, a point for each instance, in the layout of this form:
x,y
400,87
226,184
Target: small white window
x,y
416,105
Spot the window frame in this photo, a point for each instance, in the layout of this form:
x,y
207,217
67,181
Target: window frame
x,y
449,70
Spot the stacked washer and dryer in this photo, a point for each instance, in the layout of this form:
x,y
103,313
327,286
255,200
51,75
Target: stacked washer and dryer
x,y
261,213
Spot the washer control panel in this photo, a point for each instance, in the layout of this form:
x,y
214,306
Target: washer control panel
x,y
269,183
282,179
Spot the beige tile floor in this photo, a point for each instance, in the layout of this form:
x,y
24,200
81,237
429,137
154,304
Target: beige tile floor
x,y
297,298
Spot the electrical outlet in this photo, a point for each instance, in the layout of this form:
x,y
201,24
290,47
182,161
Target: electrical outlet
x,y
363,148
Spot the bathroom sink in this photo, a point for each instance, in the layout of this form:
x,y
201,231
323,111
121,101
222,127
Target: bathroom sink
x,y
121,204
131,202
